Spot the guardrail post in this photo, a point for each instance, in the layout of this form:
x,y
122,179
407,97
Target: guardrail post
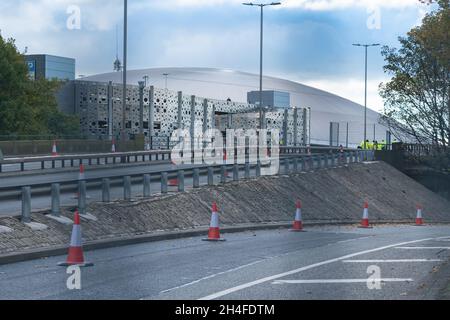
x,y
304,164
247,170
236,172
127,188
295,165
106,194
311,162
56,202
147,186
180,181
223,174
210,176
286,166
26,205
258,169
22,166
196,178
82,197
164,180
319,162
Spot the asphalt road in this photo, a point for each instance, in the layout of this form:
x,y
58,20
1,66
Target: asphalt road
x,y
323,263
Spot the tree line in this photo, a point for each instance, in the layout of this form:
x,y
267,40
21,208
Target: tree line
x,y
29,107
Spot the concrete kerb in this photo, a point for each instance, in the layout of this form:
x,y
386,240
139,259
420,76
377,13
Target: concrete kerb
x,y
172,235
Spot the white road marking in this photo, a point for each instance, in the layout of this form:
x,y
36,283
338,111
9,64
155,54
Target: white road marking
x,y
328,281
288,273
212,276
350,240
391,261
227,271
419,248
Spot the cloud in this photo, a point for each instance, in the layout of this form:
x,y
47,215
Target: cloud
x,y
345,4
352,89
320,5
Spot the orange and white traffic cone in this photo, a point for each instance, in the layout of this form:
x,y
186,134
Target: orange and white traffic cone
x,y
298,222
113,146
419,218
75,256
214,230
365,219
54,150
81,175
173,183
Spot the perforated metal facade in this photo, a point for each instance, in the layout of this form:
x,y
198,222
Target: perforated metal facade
x,y
99,106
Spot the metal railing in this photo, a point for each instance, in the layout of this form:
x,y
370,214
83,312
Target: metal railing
x,y
302,163
64,161
88,159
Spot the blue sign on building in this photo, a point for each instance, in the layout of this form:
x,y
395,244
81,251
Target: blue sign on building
x,y
32,69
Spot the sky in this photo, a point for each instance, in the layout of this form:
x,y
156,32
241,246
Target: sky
x,y
308,41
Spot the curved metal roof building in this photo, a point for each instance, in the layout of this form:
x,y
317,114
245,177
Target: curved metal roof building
x,y
223,84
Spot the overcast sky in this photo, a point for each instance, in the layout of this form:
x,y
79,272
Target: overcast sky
x,y
309,41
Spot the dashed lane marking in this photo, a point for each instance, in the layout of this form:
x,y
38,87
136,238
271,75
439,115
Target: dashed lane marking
x,y
340,281
391,260
420,248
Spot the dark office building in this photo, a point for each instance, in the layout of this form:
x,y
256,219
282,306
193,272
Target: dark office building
x,y
43,66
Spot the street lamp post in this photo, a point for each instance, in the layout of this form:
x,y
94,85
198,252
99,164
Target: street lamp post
x,y
124,93
166,75
261,5
366,46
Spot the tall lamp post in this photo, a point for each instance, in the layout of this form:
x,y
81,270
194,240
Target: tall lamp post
x,y
124,93
166,75
366,46
261,5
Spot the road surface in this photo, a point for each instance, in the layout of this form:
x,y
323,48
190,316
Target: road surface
x,y
323,263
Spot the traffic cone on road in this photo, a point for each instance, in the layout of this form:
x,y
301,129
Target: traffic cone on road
x,y
365,219
75,256
298,222
54,150
214,230
173,183
419,219
113,147
81,173
81,177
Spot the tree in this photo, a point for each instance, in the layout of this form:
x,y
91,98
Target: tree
x,y
417,97
28,107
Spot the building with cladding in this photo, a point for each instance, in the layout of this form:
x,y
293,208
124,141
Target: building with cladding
x,y
176,97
